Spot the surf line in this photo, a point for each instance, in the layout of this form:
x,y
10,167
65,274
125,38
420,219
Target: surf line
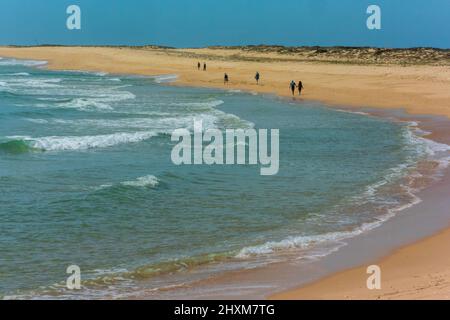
x,y
217,147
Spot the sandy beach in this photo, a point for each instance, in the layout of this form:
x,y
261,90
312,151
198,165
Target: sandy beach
x,y
417,271
416,81
420,89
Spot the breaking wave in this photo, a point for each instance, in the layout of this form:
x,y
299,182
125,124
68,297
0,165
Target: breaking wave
x,y
74,143
19,62
165,78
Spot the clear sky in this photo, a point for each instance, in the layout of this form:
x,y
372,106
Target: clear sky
x,y
193,23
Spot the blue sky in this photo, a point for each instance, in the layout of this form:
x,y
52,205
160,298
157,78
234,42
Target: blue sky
x,y
192,23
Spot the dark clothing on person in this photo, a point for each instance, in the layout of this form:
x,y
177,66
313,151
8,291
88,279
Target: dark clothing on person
x,y
300,87
225,78
204,67
293,86
198,66
257,77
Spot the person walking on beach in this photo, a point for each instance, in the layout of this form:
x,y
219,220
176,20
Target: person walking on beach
x,y
293,86
198,65
225,79
204,66
257,76
300,88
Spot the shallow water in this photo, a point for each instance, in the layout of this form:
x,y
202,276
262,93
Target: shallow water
x,y
86,179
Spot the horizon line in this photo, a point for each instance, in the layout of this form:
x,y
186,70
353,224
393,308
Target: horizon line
x,y
221,46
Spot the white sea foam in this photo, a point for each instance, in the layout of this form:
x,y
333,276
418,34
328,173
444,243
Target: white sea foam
x,y
411,146
437,151
323,244
353,112
434,147
82,97
17,74
52,99
299,242
161,123
57,143
417,136
441,149
38,121
231,121
24,83
87,100
94,73
165,78
202,104
157,124
146,181
86,104
17,62
141,182
104,93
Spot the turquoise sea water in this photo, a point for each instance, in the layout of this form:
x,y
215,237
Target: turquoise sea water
x,y
86,178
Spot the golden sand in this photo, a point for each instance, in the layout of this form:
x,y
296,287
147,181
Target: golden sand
x,y
417,271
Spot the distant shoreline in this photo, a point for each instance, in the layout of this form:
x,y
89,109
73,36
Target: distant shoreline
x,y
216,46
325,54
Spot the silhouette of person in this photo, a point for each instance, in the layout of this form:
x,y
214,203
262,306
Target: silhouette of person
x,y
293,86
300,88
198,65
257,76
225,79
204,67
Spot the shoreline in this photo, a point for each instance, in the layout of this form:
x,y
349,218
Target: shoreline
x,y
428,282
363,95
415,269
371,246
413,266
419,89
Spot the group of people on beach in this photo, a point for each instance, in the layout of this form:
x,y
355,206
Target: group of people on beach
x,y
292,85
199,65
226,78
299,86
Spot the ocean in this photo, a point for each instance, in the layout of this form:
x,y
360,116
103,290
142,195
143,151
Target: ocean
x,y
86,179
